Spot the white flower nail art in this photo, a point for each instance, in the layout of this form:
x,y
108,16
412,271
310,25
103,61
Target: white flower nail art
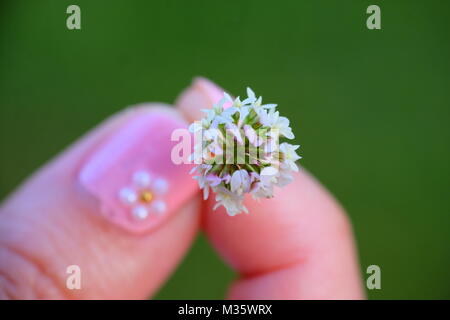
x,y
144,196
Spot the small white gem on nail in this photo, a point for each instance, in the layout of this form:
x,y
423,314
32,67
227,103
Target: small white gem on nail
x,y
141,179
127,196
160,186
159,206
140,212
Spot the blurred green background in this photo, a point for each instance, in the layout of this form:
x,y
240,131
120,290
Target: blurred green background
x,y
369,107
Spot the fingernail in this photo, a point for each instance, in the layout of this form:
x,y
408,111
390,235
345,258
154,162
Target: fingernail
x,y
202,94
136,184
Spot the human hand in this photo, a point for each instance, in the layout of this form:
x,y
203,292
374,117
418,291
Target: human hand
x,y
298,245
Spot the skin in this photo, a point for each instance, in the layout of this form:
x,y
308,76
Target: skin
x,y
298,245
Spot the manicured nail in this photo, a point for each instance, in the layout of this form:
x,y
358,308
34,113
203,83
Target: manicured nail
x,y
136,184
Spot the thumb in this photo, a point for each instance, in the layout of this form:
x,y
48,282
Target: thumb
x,y
111,205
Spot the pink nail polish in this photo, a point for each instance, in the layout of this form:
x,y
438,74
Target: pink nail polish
x,y
132,176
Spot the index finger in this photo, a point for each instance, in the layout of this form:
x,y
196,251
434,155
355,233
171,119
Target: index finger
x,y
297,245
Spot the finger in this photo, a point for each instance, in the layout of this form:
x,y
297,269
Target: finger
x,y
72,212
202,94
297,245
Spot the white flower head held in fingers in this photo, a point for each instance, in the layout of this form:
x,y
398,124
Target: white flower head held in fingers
x,y
237,151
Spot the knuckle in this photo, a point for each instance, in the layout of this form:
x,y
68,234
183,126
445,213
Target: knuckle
x,y
22,276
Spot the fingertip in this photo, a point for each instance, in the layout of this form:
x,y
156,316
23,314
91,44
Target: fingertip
x,y
190,103
301,226
209,89
201,94
297,282
277,231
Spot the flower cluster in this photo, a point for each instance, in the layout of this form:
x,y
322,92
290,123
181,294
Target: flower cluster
x,y
237,151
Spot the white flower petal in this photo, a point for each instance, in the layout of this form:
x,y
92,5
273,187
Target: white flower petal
x,y
128,196
160,186
141,179
228,97
205,192
235,182
250,93
140,212
269,175
159,206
